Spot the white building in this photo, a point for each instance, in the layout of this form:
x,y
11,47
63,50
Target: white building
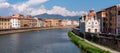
x,y
15,22
39,22
69,22
89,23
92,25
75,23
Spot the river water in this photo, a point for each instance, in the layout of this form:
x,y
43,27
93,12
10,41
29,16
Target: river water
x,y
44,41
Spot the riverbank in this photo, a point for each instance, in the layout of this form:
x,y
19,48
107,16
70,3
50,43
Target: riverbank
x,y
87,47
30,29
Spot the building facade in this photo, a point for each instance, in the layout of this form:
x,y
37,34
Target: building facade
x,y
4,23
15,22
39,22
63,23
54,22
111,19
33,22
90,23
28,23
68,22
101,15
74,23
47,22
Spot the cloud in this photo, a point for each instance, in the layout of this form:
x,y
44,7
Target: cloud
x,y
4,4
56,10
6,8
2,1
35,2
40,10
28,8
62,11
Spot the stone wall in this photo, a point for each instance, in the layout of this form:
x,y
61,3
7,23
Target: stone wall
x,y
109,40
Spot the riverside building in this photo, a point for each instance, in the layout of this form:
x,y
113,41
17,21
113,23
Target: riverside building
x,y
4,23
110,19
90,23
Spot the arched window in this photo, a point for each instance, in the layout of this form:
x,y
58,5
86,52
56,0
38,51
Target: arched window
x,y
95,30
89,30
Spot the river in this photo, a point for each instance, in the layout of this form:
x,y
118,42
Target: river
x,y
43,41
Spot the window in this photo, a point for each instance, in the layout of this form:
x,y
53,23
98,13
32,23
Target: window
x,y
89,22
88,30
118,12
96,23
96,30
5,23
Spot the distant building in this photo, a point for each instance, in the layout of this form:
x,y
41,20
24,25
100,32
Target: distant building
x,y
33,22
74,23
28,23
51,22
39,22
18,16
20,21
110,19
54,22
15,22
90,23
68,22
47,22
4,23
60,22
64,22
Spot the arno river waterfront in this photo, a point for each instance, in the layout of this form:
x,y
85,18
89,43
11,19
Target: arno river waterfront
x,y
43,41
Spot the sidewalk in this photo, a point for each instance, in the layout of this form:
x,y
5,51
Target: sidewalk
x,y
99,46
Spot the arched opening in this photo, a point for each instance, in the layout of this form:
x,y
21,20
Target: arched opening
x,y
25,25
95,30
88,30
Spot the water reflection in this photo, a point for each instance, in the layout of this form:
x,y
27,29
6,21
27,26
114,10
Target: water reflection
x,y
44,41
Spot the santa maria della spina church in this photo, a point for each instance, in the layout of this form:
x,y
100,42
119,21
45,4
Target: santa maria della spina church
x,y
89,22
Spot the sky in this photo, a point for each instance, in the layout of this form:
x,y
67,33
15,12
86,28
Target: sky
x,y
61,7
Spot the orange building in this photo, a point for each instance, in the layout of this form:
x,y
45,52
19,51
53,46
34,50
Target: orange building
x,y
18,16
101,15
47,22
28,23
60,23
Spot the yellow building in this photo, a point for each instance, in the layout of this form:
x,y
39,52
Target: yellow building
x,y
54,22
51,22
5,23
63,22
46,22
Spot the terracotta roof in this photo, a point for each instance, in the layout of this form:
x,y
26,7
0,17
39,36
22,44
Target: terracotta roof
x,y
1,17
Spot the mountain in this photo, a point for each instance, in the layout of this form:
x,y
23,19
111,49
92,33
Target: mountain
x,y
57,16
